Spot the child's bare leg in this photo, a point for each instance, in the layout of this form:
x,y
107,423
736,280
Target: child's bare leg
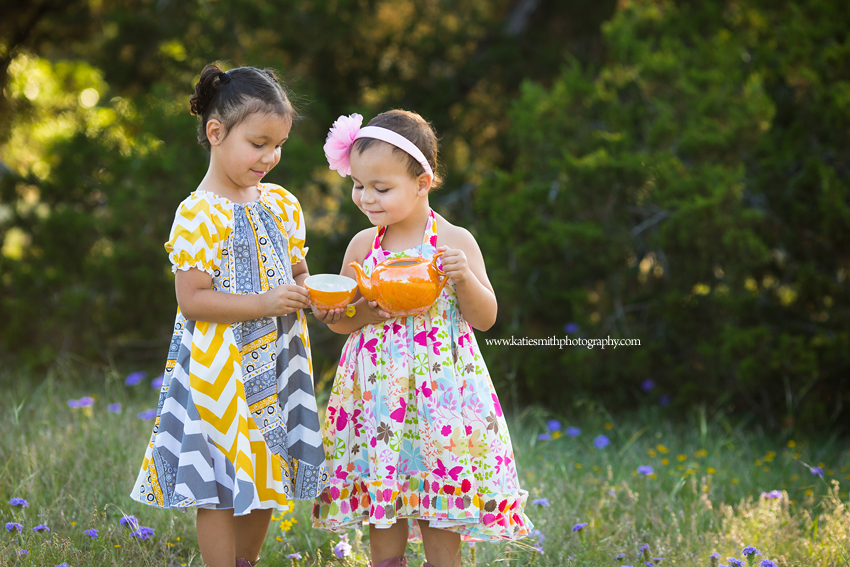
x,y
442,548
251,531
217,537
387,543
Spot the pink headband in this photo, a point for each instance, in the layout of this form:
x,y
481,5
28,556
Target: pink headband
x,y
346,129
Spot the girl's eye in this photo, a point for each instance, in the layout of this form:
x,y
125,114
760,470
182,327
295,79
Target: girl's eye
x,y
381,190
358,187
258,146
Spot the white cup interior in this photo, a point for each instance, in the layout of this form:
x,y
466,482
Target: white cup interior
x,y
330,282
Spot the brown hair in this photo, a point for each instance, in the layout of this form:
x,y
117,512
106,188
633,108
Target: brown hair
x,y
414,128
233,95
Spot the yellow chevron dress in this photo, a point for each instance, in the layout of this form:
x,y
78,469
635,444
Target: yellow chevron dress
x,y
236,425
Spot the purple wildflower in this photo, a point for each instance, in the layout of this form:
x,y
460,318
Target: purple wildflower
x,y
571,328
644,547
544,437
573,431
92,533
649,564
735,562
342,549
714,555
538,534
620,557
647,385
771,495
664,400
23,552
156,383
143,533
14,527
147,414
817,471
750,551
768,563
645,470
601,441
19,502
544,502
73,404
129,521
579,527
63,564
41,528
114,408
295,555
553,425
134,378
86,402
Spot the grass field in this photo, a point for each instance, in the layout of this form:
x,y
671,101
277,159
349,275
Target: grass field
x,y
708,489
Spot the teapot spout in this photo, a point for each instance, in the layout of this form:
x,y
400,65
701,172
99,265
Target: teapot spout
x,y
364,284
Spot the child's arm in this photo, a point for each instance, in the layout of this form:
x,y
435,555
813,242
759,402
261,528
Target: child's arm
x,y
300,272
464,264
200,303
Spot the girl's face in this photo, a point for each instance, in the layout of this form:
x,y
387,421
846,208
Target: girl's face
x,y
250,149
383,188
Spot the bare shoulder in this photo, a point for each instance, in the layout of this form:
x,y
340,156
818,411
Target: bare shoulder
x,y
360,245
454,236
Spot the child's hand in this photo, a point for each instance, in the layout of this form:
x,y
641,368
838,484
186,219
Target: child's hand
x,y
455,264
378,314
330,316
284,299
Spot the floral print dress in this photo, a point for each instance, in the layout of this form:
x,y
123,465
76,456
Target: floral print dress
x,y
414,429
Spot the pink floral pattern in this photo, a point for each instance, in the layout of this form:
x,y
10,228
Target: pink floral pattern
x,y
414,429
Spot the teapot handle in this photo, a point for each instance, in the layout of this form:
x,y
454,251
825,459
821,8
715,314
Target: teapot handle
x,y
440,271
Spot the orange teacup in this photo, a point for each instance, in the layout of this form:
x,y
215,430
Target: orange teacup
x,y
330,291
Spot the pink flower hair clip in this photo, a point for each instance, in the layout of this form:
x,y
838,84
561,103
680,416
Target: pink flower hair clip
x,y
347,129
338,143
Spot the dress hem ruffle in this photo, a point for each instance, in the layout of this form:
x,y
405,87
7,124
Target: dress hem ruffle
x,y
449,504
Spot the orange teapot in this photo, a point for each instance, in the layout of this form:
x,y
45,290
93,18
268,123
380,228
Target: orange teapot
x,y
403,286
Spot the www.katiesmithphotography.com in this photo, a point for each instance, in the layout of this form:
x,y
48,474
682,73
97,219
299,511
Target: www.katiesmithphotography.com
x,y
402,282
562,342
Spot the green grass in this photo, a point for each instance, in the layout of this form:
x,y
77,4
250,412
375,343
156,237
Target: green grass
x,y
76,468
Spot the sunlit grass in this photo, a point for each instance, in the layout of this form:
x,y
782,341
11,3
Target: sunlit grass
x,y
704,493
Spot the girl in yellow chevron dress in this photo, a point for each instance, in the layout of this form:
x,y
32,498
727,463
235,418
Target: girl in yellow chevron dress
x,y
237,433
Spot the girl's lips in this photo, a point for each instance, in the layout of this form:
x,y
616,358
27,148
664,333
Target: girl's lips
x,y
258,173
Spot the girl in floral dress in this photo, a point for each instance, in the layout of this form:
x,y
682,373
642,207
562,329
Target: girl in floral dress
x,y
237,432
414,435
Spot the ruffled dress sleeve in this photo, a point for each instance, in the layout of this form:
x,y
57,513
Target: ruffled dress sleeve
x,y
287,211
202,223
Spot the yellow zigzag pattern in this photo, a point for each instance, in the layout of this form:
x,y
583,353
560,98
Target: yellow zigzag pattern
x,y
286,211
198,230
218,395
218,400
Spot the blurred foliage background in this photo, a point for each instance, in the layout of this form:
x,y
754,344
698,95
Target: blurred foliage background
x,y
673,172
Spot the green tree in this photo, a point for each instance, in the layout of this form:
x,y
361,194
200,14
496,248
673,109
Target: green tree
x,y
684,194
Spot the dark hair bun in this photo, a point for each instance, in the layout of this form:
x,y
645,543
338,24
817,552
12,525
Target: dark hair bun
x,y
211,81
231,96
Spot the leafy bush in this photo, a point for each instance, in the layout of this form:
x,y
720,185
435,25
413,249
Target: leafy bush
x,y
692,193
